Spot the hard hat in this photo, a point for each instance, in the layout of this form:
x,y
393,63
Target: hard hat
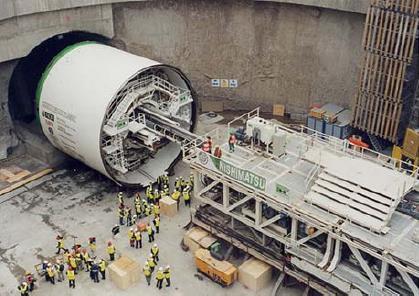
x,y
144,200
24,283
177,178
49,264
119,193
146,263
150,255
161,268
131,229
155,245
165,172
168,267
45,261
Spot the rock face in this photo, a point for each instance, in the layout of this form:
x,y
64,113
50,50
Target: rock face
x,y
279,53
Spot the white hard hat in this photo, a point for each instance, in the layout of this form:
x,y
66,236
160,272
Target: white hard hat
x,y
146,262
150,255
24,283
168,267
119,193
161,268
155,245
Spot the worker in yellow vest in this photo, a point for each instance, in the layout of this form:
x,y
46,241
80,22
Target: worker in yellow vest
x,y
148,210
176,197
191,181
120,199
159,278
138,209
151,262
156,210
178,184
131,237
156,223
71,278
149,192
111,251
23,288
102,268
73,262
167,275
147,273
138,239
51,273
60,243
150,233
121,214
187,197
155,252
166,190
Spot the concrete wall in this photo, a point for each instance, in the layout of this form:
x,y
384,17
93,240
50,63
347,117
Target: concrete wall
x,y
280,53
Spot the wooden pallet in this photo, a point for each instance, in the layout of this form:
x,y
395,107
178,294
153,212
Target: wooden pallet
x,y
389,40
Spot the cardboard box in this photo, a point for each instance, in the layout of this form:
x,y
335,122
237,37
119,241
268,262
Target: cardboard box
x,y
192,238
255,274
212,106
278,110
124,272
316,113
411,143
168,206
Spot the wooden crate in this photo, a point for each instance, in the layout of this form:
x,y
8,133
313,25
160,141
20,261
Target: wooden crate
x,y
278,110
193,237
255,274
124,272
168,207
316,113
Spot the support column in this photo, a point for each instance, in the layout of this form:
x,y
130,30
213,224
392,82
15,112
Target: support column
x,y
226,196
294,230
383,275
197,187
258,212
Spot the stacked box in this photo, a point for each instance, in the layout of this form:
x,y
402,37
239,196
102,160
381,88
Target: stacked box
x,y
192,238
168,207
255,274
124,272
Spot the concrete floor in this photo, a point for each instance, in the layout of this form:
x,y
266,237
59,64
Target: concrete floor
x,y
80,203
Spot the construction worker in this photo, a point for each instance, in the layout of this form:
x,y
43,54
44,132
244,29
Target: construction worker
x,y
111,251
166,189
160,181
150,233
73,263
176,197
151,262
218,152
232,142
147,272
155,252
137,199
51,273
177,184
184,183
206,146
149,192
79,261
167,275
120,199
138,209
191,181
23,288
71,278
187,197
156,210
138,239
133,219
86,259
159,278
165,179
30,280
66,256
121,214
156,197
59,267
148,210
60,243
44,270
92,245
102,268
94,272
128,215
181,182
156,223
131,237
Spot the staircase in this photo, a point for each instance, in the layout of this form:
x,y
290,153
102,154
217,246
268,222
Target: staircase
x,y
375,142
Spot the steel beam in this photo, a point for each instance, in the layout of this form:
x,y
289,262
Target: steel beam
x,y
364,265
309,237
409,282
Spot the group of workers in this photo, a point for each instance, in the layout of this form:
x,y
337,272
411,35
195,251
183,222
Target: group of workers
x,y
207,145
79,258
67,265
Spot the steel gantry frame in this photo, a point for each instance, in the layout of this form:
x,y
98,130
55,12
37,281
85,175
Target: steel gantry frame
x,y
246,205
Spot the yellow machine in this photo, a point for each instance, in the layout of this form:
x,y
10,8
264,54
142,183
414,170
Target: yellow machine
x,y
221,272
410,150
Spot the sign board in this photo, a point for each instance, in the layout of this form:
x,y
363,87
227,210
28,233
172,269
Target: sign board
x,y
233,83
245,176
224,82
215,82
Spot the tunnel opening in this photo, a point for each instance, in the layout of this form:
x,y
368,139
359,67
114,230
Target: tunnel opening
x,y
28,72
